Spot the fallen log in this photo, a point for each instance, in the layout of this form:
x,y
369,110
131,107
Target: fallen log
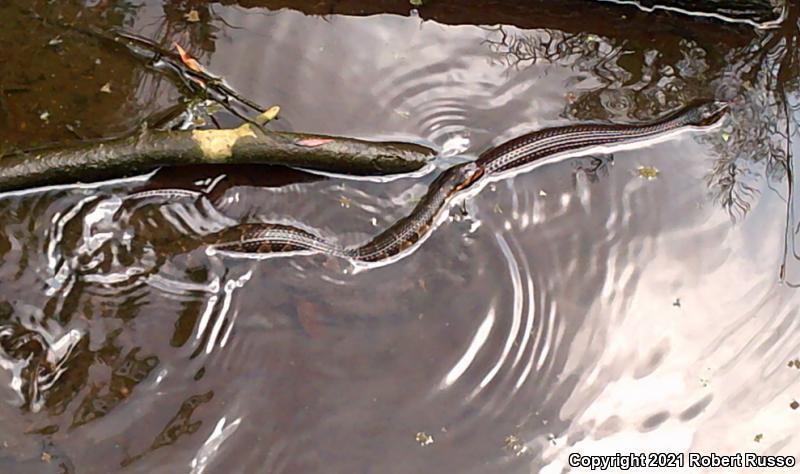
x,y
151,149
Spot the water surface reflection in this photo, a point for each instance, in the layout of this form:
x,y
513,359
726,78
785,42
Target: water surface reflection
x,y
564,309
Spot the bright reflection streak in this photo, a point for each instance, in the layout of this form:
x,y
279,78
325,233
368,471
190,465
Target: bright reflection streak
x,y
209,311
206,452
469,355
516,315
229,287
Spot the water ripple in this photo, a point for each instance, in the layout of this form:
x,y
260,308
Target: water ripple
x,y
564,308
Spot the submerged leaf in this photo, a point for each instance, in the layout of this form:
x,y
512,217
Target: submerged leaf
x,y
193,16
423,438
648,172
189,61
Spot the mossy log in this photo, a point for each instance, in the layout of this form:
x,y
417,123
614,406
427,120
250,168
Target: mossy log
x,y
148,150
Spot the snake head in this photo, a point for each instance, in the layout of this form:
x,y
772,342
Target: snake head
x,y
468,174
707,113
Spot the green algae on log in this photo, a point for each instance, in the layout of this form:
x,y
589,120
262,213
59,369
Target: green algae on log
x,y
137,154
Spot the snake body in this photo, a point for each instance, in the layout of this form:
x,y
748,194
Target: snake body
x,y
270,238
266,238
536,145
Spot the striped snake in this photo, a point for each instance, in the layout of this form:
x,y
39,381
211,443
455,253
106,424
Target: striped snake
x,y
266,238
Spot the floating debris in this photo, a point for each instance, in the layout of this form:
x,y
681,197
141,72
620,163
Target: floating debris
x,y
106,88
542,193
345,202
648,172
758,437
44,116
46,457
794,405
726,136
73,130
794,363
193,16
423,438
677,303
515,446
571,97
416,3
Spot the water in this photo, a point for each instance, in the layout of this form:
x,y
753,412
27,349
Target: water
x,y
566,309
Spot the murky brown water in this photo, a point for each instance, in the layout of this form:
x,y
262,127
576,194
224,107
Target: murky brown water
x,y
564,311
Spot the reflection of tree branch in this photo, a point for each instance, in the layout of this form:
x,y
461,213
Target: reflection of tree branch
x,y
180,425
731,192
516,50
638,80
748,150
787,76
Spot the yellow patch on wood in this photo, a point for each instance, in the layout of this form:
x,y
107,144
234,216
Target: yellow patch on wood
x,y
217,145
268,115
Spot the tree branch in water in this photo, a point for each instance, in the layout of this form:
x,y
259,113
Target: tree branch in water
x,y
248,143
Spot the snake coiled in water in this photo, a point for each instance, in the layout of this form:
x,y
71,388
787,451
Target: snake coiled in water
x,y
267,238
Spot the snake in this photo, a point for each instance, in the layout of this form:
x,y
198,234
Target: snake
x,y
265,238
514,154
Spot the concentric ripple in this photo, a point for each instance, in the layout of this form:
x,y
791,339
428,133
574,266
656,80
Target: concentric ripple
x,y
595,304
